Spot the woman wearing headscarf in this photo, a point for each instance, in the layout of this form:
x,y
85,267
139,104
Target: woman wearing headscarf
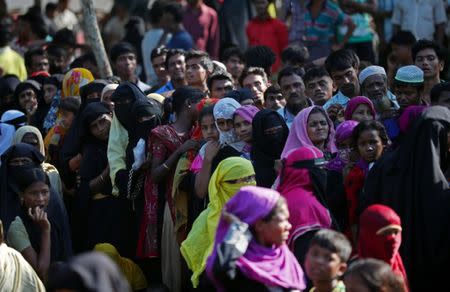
x,y
40,231
32,136
266,263
16,274
8,84
311,127
92,271
96,215
359,109
230,175
229,142
69,154
269,137
413,181
10,121
166,144
15,160
27,97
123,97
242,123
303,184
380,237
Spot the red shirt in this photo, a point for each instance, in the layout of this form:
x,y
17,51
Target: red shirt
x,y
203,26
270,32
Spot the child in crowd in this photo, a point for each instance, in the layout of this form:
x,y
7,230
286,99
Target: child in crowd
x,y
326,260
372,275
369,140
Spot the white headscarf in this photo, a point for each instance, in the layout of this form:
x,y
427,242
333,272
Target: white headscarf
x,y
225,109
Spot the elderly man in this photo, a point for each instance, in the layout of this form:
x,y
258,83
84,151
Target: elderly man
x,y
373,80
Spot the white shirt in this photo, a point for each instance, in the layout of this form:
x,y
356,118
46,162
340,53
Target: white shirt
x,y
419,16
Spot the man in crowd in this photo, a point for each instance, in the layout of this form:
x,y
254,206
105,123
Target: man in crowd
x,y
429,57
198,68
158,59
123,58
36,60
219,84
234,61
176,67
318,85
255,79
293,91
172,22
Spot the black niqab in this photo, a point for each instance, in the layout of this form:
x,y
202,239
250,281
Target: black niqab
x,y
126,91
411,180
267,148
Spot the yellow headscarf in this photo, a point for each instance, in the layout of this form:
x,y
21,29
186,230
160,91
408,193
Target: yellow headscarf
x,y
199,243
74,79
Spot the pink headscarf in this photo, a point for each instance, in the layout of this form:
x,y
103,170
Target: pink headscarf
x,y
298,135
247,112
272,266
354,103
306,212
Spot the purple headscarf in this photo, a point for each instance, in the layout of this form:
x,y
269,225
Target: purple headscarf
x,y
343,132
355,102
298,135
247,112
410,114
275,266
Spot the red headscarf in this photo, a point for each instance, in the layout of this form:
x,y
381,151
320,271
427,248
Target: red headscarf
x,y
355,102
372,244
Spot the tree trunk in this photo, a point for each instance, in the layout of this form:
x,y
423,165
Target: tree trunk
x,y
94,38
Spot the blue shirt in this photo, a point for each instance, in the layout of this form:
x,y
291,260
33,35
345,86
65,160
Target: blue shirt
x,y
167,87
287,116
340,98
181,40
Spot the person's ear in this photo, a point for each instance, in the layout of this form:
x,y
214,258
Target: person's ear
x,y
441,65
342,269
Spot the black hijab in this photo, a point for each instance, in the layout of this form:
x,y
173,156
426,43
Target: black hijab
x,y
61,244
92,87
8,84
411,180
267,148
126,91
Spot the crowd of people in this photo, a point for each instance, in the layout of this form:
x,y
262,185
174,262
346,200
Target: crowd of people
x,y
295,146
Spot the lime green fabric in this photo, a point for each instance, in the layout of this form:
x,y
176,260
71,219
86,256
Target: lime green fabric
x,y
199,243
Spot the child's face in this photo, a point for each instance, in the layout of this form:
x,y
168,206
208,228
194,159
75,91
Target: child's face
x,y
224,125
362,113
354,283
323,265
407,95
243,129
370,146
66,118
49,92
209,130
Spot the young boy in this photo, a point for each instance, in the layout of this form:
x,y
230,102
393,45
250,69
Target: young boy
x,y
326,260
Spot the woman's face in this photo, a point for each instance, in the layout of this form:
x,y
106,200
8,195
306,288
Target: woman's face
x,y
318,128
276,231
362,113
243,129
36,195
49,92
20,161
209,130
28,100
224,125
31,139
370,146
100,127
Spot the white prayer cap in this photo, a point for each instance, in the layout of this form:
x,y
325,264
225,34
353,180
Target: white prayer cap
x,y
370,71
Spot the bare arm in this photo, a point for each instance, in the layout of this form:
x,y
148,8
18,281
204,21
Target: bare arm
x,y
161,168
202,178
40,262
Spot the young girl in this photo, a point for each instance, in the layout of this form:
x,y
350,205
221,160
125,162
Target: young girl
x,y
38,233
369,140
242,122
202,162
359,109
